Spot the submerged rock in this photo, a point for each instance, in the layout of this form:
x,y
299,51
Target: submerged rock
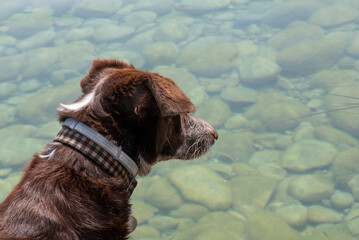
x,y
308,154
310,188
214,111
108,33
309,56
155,195
19,150
344,120
258,70
190,210
252,192
200,61
334,15
96,9
342,200
345,167
272,109
236,146
352,221
214,226
26,24
265,225
295,215
143,211
201,185
202,6
160,53
318,214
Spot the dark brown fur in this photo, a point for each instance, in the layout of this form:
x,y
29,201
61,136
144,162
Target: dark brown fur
x,y
66,196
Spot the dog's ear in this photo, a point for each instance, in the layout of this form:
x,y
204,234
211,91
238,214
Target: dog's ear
x,y
98,66
169,97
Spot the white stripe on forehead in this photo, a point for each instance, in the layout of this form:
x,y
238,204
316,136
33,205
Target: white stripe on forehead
x,y
85,101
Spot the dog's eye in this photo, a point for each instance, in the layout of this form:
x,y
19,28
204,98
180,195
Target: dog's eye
x,y
136,110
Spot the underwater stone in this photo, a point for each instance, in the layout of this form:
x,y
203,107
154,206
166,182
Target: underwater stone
x,y
308,154
18,150
18,130
158,6
139,18
163,223
200,60
189,210
263,157
334,15
10,67
237,146
76,56
236,121
79,33
345,167
352,221
265,225
214,111
285,13
354,187
6,115
198,95
294,33
160,53
313,55
35,110
108,33
310,188
353,49
49,130
258,70
272,109
295,215
202,6
130,57
171,31
155,195
251,192
272,170
239,94
39,39
8,183
7,40
5,172
318,214
96,9
26,24
142,211
201,185
145,232
334,136
7,89
30,85
215,226
344,120
342,200
38,60
186,80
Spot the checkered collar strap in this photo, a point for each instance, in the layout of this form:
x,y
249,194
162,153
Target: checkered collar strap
x,y
82,138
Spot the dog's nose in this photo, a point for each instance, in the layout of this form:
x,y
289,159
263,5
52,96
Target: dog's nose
x,y
215,134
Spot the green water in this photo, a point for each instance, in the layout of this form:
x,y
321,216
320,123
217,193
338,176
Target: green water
x,y
251,67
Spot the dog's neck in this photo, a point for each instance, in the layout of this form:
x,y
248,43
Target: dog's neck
x,y
96,147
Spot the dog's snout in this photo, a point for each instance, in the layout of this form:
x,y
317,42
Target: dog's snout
x,y
215,134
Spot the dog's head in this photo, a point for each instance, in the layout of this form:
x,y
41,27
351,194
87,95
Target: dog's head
x,y
145,113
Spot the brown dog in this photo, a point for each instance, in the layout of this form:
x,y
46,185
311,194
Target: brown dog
x,y
76,188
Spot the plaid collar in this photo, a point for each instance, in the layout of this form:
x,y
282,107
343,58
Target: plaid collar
x,y
82,138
